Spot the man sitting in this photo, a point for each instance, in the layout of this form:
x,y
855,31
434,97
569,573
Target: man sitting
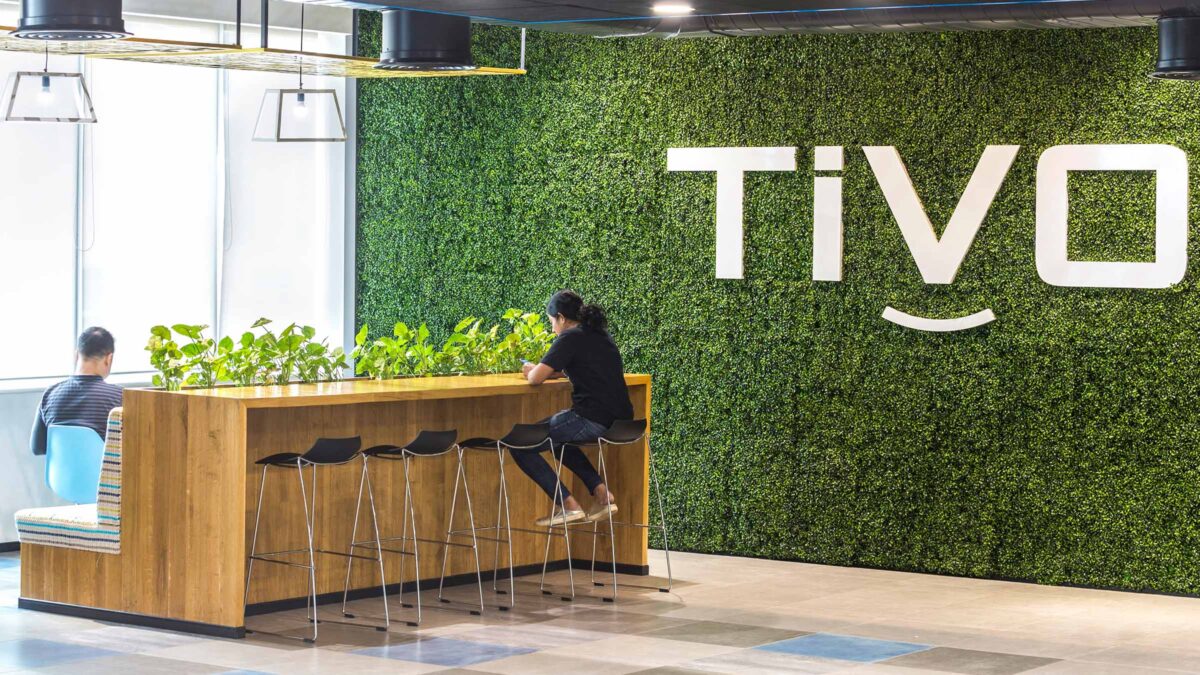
x,y
85,399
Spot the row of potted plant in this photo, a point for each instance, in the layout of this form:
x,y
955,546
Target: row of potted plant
x,y
183,355
470,349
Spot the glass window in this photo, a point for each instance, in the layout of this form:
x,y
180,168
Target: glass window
x,y
165,211
287,210
150,168
37,237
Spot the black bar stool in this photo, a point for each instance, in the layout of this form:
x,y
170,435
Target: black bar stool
x,y
426,444
626,433
325,452
522,437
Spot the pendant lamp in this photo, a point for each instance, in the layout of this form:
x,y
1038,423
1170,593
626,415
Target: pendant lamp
x,y
48,97
59,97
300,115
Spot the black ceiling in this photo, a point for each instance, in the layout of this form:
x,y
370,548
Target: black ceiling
x,y
535,12
605,18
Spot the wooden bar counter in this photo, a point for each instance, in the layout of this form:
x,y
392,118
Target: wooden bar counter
x,y
190,486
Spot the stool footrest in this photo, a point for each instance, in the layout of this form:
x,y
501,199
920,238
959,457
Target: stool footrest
x,y
279,562
555,531
396,551
270,553
423,540
617,523
348,555
498,541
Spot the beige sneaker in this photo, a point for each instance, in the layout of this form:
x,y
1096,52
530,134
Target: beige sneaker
x,y
561,518
601,512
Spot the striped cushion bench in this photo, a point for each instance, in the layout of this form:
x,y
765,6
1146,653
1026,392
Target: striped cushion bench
x,y
90,527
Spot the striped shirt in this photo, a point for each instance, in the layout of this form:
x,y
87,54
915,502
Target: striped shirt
x,y
81,401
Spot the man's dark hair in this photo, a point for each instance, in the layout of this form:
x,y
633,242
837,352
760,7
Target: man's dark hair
x,y
95,343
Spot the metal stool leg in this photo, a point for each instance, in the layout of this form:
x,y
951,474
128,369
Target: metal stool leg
x,y
458,476
512,581
412,514
474,537
362,479
560,504
662,519
550,533
403,544
387,620
499,516
595,536
312,562
648,525
612,535
262,484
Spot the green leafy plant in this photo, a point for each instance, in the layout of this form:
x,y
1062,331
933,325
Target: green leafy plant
x,y
421,355
530,338
285,350
1056,445
369,356
262,358
470,349
167,358
475,347
384,357
318,362
241,359
205,363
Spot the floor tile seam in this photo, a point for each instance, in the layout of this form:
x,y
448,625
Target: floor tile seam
x,y
921,647
970,638
968,642
861,637
1085,659
949,627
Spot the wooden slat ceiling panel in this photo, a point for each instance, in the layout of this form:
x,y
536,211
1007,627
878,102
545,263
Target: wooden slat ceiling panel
x,y
285,61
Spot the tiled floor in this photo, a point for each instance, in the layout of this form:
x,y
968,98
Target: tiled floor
x,y
727,615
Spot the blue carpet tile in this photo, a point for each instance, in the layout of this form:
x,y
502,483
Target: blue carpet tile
x,y
38,653
445,652
843,647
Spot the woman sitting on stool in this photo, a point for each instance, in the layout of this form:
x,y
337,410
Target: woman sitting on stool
x,y
585,353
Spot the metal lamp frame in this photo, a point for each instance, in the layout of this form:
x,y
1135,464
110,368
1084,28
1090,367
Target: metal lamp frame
x,y
279,138
87,100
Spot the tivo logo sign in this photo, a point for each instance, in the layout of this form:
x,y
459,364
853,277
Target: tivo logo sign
x,y
939,258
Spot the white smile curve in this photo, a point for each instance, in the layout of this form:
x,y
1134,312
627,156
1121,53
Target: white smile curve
x,y
938,325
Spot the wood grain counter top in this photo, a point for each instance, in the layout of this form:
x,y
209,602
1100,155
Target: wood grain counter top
x,y
347,392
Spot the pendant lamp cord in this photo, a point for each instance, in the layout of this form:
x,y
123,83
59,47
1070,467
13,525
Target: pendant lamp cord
x,y
302,45
46,68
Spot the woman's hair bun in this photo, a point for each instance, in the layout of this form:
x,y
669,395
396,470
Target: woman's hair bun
x,y
571,306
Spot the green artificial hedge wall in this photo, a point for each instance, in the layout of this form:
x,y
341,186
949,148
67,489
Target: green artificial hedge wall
x,y
1058,444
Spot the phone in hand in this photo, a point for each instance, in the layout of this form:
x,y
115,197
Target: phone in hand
x,y
527,362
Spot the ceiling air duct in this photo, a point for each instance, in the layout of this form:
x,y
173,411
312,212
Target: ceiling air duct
x,y
1178,48
424,41
71,20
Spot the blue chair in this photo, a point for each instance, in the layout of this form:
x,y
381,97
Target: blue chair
x,y
74,456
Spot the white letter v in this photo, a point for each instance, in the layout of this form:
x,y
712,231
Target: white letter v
x,y
939,260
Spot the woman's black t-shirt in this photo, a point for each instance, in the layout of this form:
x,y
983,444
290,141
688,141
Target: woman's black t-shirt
x,y
591,361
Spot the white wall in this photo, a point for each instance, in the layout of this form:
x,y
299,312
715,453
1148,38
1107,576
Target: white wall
x,y
23,484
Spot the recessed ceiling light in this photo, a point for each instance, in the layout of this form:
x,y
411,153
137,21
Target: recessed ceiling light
x,y
672,8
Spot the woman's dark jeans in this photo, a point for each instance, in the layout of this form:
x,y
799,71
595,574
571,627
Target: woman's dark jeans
x,y
565,427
